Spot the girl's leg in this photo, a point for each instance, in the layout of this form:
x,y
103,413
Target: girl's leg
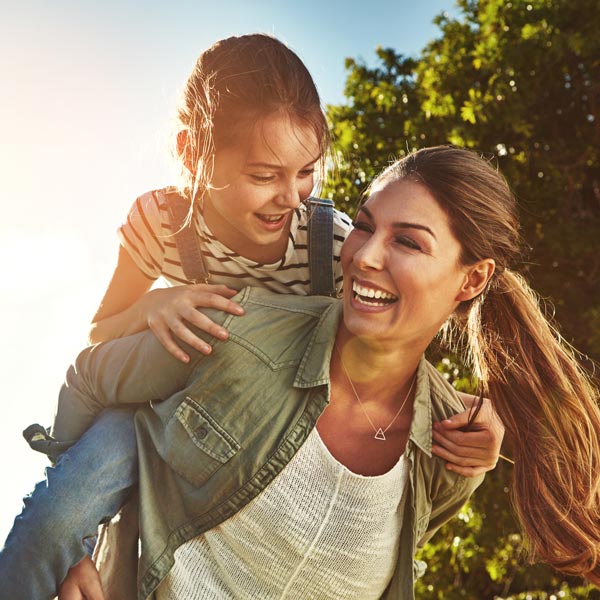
x,y
89,484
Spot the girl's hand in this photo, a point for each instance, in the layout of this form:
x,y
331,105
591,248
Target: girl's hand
x,y
170,311
469,453
82,582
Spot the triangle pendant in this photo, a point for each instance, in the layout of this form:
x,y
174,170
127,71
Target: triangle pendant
x,y
380,435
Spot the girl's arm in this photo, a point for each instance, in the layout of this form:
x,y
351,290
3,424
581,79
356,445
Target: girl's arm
x,y
129,307
131,370
469,453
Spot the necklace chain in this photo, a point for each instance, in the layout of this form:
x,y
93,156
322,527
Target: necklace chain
x,y
379,432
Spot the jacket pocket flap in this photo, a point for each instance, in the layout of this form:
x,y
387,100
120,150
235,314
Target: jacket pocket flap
x,y
205,432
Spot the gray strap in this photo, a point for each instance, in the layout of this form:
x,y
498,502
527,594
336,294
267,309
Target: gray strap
x,y
320,247
186,238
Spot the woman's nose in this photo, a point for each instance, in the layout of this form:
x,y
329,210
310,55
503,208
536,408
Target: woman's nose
x,y
370,255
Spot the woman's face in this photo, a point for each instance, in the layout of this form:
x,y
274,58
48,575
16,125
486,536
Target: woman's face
x,y
402,274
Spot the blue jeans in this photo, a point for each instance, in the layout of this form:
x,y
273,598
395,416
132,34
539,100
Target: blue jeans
x,y
88,485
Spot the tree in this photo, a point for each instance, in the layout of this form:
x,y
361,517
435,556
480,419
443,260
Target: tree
x,y
518,81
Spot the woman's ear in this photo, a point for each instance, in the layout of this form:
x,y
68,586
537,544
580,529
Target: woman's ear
x,y
476,278
184,149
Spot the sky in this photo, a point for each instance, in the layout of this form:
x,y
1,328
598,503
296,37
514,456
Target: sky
x,y
87,96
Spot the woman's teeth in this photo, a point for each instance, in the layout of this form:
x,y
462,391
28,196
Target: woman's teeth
x,y
371,296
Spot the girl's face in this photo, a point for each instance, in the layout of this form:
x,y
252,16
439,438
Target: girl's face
x,y
256,186
402,273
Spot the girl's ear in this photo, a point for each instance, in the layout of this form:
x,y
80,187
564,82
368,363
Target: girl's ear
x,y
184,149
476,278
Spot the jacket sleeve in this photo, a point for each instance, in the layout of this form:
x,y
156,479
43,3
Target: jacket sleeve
x,y
447,506
130,370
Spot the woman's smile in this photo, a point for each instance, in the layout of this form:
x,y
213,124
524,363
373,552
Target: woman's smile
x,y
371,296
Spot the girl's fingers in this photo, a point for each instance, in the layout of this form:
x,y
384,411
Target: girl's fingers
x,y
220,289
177,309
470,439
460,458
163,334
185,334
202,322
201,299
461,455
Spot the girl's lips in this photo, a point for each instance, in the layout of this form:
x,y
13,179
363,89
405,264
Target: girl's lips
x,y
272,222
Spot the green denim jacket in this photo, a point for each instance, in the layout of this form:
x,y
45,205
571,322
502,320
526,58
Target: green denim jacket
x,y
219,429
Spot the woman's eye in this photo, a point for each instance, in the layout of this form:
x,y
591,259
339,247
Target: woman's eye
x,y
361,226
306,173
408,242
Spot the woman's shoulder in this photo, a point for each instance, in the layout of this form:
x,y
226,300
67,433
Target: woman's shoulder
x,y
445,400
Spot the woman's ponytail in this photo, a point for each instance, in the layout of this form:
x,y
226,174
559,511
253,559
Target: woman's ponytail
x,y
550,411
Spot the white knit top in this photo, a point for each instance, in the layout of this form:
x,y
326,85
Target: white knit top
x,y
317,531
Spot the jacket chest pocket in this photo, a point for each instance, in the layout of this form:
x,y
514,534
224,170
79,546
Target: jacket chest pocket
x,y
197,445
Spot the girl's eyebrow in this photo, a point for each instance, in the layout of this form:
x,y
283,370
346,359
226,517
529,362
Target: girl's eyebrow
x,y
401,224
265,165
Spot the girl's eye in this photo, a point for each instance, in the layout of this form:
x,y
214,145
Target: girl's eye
x,y
307,172
262,178
408,242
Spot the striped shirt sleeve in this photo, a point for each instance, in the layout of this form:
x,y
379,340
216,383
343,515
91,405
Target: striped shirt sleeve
x,y
143,234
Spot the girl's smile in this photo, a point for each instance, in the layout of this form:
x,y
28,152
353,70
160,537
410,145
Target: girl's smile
x,y
256,187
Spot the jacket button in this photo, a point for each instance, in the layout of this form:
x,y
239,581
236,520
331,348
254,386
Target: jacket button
x,y
202,432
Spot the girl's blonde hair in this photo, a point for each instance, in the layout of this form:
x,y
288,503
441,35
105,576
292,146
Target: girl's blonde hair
x,y
235,83
545,399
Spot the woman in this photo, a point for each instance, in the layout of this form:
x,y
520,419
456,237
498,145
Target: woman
x,y
295,460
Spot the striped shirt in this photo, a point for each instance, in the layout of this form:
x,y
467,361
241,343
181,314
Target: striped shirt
x,y
148,237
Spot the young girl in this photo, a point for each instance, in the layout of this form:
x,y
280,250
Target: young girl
x,y
251,137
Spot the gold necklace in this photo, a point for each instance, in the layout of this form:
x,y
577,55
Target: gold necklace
x,y
379,432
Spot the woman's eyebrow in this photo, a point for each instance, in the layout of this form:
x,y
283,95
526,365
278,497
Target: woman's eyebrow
x,y
402,224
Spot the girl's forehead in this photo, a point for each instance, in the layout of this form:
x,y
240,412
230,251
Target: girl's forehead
x,y
281,129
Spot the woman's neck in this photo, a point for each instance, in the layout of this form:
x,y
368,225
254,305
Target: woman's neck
x,y
385,371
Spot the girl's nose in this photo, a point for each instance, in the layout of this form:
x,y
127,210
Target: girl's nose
x,y
289,195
